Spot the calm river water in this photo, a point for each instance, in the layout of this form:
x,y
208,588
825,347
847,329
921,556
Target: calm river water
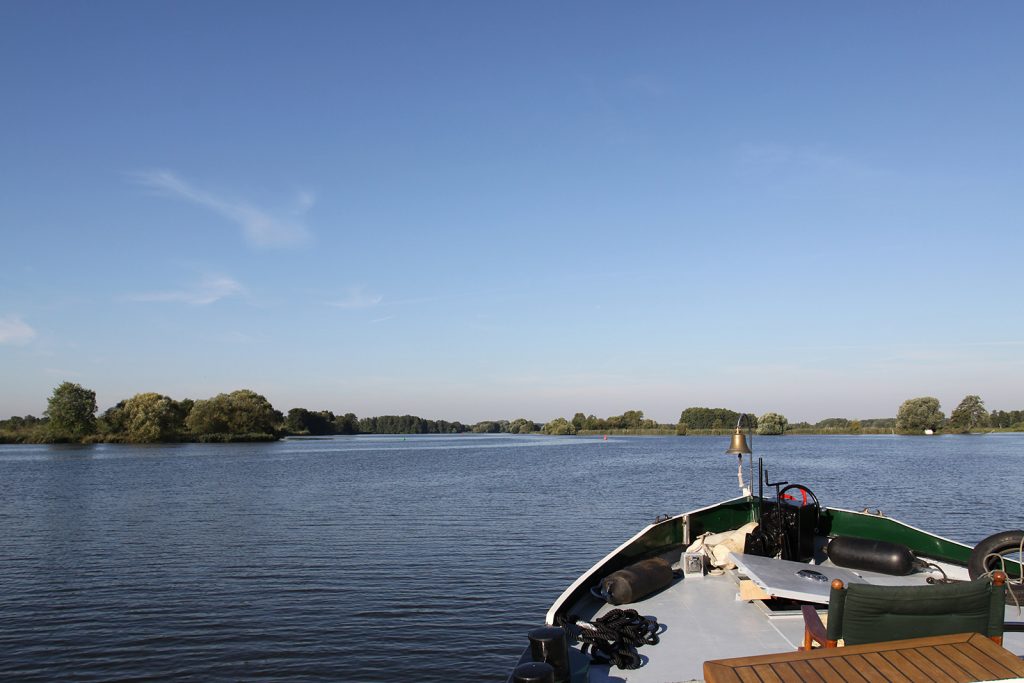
x,y
388,558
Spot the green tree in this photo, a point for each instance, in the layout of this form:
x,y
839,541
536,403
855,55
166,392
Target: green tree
x,y
559,427
240,412
919,414
302,421
833,423
1006,418
579,420
113,420
521,426
968,415
709,418
771,423
72,411
346,424
633,419
151,417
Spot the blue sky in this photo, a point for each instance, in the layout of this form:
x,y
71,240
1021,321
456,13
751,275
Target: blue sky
x,y
472,210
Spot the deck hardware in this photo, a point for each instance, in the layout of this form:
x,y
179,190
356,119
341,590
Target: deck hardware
x,y
812,575
739,447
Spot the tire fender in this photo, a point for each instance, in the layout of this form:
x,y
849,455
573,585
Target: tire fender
x,y
999,544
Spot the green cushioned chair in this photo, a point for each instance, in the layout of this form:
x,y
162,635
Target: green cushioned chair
x,y
865,613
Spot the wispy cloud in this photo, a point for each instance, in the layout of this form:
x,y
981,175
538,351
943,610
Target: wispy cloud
x,y
773,158
14,330
357,297
261,228
380,320
210,289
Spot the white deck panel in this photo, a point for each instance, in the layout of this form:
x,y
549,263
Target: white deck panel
x,y
781,578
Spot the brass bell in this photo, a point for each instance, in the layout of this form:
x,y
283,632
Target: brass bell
x,y
739,444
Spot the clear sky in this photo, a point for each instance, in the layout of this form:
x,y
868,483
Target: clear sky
x,y
481,210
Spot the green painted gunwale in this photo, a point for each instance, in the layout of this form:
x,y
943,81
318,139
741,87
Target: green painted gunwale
x,y
838,522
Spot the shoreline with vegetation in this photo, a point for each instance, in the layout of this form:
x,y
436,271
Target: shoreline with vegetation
x,y
245,416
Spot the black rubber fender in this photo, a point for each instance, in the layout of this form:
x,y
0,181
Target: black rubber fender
x,y
1001,543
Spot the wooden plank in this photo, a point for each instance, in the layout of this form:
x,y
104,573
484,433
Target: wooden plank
x,y
806,672
938,656
865,668
973,667
903,665
747,675
751,591
720,673
884,667
942,659
786,673
845,671
998,668
998,654
826,669
913,642
766,673
933,672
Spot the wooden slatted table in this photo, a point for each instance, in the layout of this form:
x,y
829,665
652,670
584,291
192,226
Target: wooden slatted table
x,y
953,659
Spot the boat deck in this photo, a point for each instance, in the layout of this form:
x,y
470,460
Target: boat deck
x,y
701,622
703,618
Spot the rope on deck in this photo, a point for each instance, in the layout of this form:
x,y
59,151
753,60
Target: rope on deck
x,y
615,637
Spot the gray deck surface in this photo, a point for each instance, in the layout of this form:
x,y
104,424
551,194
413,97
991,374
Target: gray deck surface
x,y
703,619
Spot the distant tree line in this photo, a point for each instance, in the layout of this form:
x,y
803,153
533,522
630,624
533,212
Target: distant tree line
x,y
408,424
518,426
1005,419
631,421
244,415
148,417
697,418
923,415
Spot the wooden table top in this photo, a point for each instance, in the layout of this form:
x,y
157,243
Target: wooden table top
x,y
958,658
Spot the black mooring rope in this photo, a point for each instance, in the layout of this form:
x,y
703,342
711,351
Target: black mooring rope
x,y
614,637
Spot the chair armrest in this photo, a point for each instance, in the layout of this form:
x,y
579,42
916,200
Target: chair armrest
x,y
814,630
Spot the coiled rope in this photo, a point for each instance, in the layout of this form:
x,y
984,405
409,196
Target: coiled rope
x,y
1014,587
615,637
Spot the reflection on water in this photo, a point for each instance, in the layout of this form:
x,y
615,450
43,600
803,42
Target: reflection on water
x,y
387,558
